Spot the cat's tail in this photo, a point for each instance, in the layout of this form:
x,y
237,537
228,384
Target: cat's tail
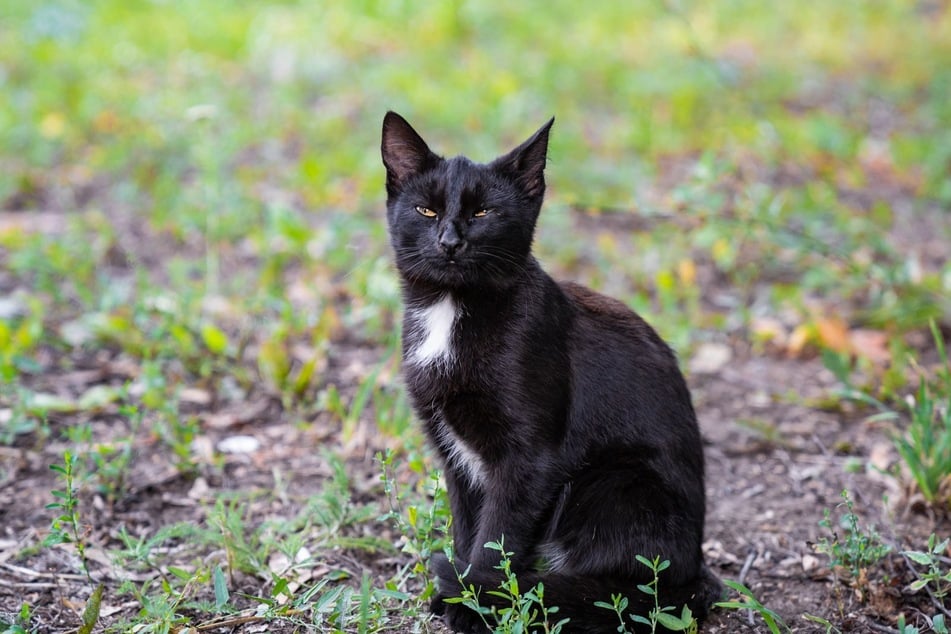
x,y
575,596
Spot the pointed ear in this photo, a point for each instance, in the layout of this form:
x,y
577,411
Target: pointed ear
x,y
404,152
526,163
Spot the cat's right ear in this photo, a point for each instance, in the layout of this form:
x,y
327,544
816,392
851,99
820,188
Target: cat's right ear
x,y
404,152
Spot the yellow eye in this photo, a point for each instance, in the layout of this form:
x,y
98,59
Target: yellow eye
x,y
425,211
481,213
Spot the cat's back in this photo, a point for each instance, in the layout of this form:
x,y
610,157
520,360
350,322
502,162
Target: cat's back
x,y
604,318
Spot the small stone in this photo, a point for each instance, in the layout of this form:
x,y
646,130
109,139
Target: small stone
x,y
195,396
710,358
810,563
199,489
239,444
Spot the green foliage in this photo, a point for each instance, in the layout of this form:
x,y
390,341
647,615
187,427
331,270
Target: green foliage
x,y
244,551
20,622
748,601
618,605
91,612
26,416
830,628
18,339
937,624
925,447
662,616
108,464
522,611
366,609
857,549
937,579
67,527
422,525
178,432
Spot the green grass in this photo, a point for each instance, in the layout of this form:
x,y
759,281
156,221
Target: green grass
x,y
522,609
194,192
858,549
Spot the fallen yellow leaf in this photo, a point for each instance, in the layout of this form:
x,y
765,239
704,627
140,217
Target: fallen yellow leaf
x,y
800,336
687,272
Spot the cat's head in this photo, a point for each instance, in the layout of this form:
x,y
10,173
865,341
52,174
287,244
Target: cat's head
x,y
454,223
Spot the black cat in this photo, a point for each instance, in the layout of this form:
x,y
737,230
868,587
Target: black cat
x,y
563,422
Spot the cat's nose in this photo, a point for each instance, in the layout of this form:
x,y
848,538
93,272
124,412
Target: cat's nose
x,y
450,242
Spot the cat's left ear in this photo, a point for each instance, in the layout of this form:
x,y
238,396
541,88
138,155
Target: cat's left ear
x,y
526,163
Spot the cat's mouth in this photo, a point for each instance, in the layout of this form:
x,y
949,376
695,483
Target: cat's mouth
x,y
472,267
455,259
456,270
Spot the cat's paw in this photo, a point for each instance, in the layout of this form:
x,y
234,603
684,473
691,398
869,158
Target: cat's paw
x,y
458,617
437,606
445,569
446,572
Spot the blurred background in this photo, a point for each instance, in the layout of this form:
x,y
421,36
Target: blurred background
x,y
223,121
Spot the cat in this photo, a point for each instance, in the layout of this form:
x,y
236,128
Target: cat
x,y
563,423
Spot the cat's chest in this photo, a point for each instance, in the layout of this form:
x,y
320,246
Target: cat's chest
x,y
448,363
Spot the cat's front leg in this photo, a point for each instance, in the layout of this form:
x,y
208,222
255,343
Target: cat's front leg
x,y
464,502
515,502
510,510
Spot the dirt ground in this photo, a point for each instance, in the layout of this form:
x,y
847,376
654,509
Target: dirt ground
x,y
766,495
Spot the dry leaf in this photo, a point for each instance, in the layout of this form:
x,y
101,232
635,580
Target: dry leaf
x,y
769,330
834,334
800,337
687,272
871,344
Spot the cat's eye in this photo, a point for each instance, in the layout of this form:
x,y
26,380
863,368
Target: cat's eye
x,y
426,211
481,213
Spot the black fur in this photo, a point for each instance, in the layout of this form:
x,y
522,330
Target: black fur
x,y
563,421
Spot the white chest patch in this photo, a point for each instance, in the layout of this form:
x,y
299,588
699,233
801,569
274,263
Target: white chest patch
x,y
461,455
433,325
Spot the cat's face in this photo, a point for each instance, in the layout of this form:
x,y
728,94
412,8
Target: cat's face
x,y
454,223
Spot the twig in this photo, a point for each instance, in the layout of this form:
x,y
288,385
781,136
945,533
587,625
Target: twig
x,y
26,572
233,621
741,579
750,558
27,586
